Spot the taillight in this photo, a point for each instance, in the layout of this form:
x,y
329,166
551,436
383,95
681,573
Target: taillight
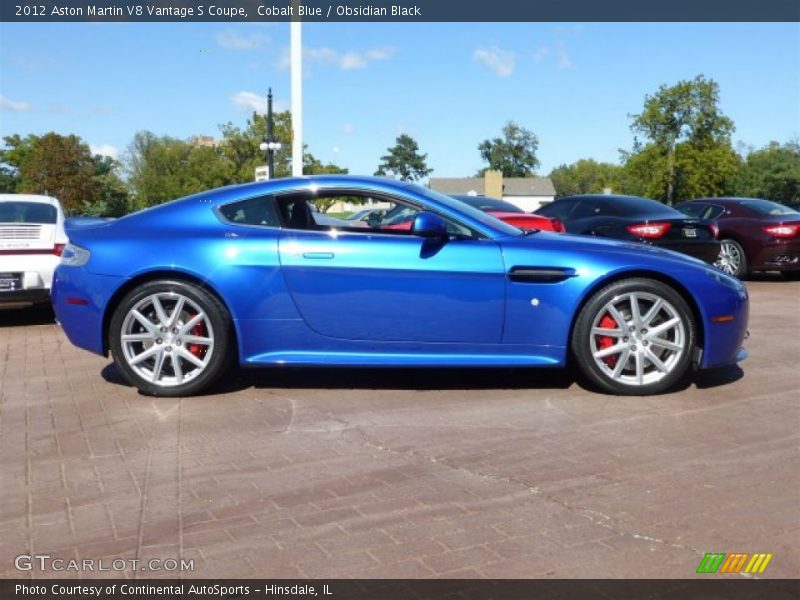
x,y
649,230
714,229
558,226
783,231
58,249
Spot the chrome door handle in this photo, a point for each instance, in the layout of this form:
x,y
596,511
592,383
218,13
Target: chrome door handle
x,y
318,255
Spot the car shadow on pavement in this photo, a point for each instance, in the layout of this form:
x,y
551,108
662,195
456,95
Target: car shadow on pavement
x,y
421,379
377,378
28,315
717,377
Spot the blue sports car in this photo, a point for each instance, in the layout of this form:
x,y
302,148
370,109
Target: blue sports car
x,y
244,274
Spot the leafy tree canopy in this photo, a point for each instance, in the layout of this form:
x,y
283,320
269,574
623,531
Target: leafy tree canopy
x,y
403,160
514,154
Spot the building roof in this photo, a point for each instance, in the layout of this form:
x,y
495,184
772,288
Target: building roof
x,y
528,186
457,185
512,186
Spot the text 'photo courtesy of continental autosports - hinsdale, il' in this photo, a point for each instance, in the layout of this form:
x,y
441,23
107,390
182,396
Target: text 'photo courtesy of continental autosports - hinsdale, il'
x,y
180,292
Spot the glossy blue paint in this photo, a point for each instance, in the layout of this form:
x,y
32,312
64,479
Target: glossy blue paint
x,y
346,298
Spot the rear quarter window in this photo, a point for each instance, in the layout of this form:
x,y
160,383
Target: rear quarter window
x,y
259,211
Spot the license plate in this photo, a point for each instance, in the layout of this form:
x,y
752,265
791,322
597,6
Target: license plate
x,y
690,232
10,282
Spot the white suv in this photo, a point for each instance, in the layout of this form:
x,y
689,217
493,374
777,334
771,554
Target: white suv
x,y
32,238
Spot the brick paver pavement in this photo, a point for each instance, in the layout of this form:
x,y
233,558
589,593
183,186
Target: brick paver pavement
x,y
408,473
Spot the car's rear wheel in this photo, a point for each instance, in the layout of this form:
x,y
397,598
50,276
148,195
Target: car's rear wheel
x,y
732,259
170,338
634,337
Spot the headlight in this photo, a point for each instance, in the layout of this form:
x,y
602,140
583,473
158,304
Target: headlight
x,y
74,256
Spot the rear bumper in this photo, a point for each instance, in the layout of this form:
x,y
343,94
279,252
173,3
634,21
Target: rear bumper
x,y
777,255
22,297
705,250
79,300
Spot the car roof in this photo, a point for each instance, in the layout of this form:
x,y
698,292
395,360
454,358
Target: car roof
x,y
601,197
28,198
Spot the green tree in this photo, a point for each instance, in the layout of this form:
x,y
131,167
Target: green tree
x,y
240,146
164,168
403,160
585,176
60,166
771,172
687,150
514,153
12,156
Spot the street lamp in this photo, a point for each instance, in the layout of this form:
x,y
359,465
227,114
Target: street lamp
x,y
270,145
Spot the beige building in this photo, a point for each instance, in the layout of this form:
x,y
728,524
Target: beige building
x,y
529,193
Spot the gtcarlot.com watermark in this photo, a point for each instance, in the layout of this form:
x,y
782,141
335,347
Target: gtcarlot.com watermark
x,y
46,562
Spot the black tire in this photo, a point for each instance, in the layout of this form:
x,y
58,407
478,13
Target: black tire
x,y
679,363
219,323
742,270
791,275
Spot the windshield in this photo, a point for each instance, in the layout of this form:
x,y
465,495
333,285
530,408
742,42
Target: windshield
x,y
466,209
27,212
768,208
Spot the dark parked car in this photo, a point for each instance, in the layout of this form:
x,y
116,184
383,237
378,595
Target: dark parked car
x,y
756,235
638,220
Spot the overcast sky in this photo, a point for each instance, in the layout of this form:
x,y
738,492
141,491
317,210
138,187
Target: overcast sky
x,y
449,85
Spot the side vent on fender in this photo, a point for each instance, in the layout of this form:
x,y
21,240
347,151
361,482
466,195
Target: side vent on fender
x,y
521,274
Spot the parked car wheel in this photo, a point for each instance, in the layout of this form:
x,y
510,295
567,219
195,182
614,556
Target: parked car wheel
x,y
791,275
170,338
732,258
634,337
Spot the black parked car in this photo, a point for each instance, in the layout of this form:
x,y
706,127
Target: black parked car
x,y
636,219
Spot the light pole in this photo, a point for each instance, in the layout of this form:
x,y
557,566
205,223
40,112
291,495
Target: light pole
x,y
270,145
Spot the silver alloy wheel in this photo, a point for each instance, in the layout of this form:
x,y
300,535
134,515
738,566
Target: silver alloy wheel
x,y
167,339
729,259
646,342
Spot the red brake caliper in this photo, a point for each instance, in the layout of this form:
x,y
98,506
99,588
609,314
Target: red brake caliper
x,y
197,349
605,341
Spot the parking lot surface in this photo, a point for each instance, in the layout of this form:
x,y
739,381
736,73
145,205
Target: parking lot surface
x,y
400,473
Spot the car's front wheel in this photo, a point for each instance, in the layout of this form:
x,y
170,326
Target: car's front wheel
x,y
634,337
170,338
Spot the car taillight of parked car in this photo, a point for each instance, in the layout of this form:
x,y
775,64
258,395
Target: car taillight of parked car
x,y
714,229
58,249
783,231
558,226
649,230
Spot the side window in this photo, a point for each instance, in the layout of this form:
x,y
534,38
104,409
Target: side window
x,y
696,210
253,211
556,210
585,209
326,210
605,209
713,212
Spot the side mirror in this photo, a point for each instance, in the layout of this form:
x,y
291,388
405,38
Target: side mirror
x,y
429,226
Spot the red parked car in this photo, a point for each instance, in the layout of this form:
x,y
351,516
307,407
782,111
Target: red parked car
x,y
755,234
511,214
401,217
